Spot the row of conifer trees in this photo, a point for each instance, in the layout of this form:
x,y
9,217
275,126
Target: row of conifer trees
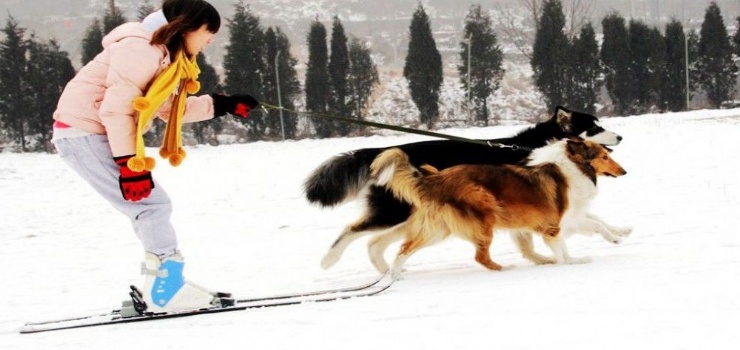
x,y
639,67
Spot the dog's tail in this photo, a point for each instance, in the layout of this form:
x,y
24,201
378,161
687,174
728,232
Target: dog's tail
x,y
340,178
393,170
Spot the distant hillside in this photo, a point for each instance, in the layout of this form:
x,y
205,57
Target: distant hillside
x,y
382,23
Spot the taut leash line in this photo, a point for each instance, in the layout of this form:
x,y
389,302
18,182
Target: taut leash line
x,y
267,106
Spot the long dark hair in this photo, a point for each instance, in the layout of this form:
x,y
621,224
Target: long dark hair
x,y
184,16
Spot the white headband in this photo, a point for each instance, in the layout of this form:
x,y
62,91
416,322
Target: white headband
x,y
154,21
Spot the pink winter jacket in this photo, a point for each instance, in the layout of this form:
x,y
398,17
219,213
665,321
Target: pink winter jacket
x,y
99,98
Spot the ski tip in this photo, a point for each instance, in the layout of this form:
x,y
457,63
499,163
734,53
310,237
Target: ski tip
x,y
26,329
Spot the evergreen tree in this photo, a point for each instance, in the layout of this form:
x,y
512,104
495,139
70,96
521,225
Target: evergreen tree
x,y
423,67
144,10
586,70
208,78
14,105
551,55
269,89
290,87
485,62
244,63
317,78
92,42
615,56
644,51
31,81
656,66
362,78
113,18
694,73
206,131
673,88
736,39
277,46
338,70
47,72
717,70
736,43
639,50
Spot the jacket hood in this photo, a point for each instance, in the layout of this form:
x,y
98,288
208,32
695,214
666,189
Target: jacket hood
x,y
127,30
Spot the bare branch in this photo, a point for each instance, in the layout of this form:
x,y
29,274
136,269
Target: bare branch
x,y
518,25
578,14
513,28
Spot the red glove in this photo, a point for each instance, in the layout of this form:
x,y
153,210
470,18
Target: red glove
x,y
135,186
239,105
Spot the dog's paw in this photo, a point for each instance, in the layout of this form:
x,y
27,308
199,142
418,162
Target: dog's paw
x,y
397,274
580,260
616,239
380,265
545,261
538,259
328,261
623,231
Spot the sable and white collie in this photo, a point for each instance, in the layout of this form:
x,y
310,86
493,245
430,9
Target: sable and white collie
x,y
346,176
550,196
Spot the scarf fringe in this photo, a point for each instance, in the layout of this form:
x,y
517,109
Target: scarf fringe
x,y
182,71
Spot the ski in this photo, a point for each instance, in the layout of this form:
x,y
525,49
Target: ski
x,y
118,317
370,284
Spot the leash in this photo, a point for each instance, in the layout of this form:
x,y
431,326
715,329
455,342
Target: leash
x,y
267,107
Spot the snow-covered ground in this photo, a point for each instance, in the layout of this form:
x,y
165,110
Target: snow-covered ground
x,y
245,227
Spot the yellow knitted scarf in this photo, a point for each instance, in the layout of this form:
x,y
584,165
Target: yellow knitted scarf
x,y
182,75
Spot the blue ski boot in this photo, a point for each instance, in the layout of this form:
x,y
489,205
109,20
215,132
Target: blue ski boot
x,y
166,290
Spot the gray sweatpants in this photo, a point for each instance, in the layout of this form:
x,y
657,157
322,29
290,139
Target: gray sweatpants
x,y
90,156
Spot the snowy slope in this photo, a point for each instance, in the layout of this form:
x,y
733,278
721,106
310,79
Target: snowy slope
x,y
245,227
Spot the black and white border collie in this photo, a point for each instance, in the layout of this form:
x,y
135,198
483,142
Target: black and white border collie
x,y
347,176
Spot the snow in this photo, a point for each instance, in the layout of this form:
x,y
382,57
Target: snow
x,y
245,227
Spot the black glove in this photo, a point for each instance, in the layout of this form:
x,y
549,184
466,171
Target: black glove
x,y
239,105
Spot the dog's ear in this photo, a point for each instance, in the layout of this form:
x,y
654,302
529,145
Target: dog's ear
x,y
592,150
562,116
576,147
427,170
